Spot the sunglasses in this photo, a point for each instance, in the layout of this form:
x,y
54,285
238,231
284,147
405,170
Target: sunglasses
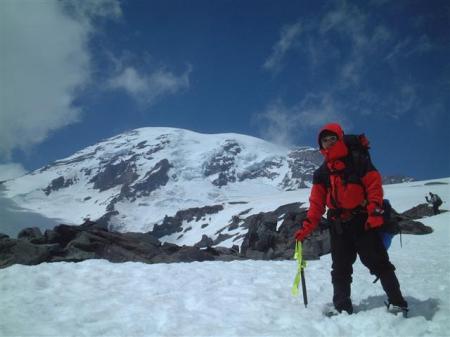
x,y
328,139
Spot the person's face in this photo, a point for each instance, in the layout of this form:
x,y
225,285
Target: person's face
x,y
328,141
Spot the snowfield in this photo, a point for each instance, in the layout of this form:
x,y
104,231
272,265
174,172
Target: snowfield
x,y
240,298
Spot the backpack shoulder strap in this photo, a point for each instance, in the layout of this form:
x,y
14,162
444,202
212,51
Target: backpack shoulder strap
x,y
322,176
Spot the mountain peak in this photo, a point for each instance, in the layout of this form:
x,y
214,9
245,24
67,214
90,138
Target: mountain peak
x,y
137,178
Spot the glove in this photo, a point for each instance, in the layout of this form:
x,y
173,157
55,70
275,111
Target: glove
x,y
304,231
375,218
300,235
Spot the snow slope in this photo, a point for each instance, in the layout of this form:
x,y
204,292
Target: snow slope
x,y
241,298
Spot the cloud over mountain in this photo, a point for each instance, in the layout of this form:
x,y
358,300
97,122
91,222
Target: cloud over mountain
x,y
147,88
45,61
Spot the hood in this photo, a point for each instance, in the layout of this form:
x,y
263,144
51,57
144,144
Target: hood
x,y
332,127
339,149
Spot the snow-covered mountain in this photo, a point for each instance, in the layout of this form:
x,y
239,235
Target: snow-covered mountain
x,y
142,178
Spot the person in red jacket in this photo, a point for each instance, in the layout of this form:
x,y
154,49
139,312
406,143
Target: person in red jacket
x,y
353,194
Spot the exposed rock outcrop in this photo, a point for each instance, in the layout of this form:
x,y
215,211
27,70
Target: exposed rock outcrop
x,y
222,163
57,184
93,241
407,222
171,225
396,179
302,163
269,236
122,173
265,241
158,176
418,212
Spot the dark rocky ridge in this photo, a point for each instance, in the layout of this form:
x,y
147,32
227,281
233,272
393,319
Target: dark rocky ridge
x,y
122,173
171,225
223,163
154,179
57,184
262,170
408,223
157,177
263,240
396,179
93,241
302,163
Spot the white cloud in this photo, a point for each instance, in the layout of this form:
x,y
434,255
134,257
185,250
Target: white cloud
x,y
350,22
130,81
398,49
284,125
406,100
381,35
84,10
423,45
343,47
11,171
409,47
147,88
44,61
277,123
317,110
431,114
352,25
288,38
417,46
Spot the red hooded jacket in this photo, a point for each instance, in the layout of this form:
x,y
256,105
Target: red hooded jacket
x,y
333,189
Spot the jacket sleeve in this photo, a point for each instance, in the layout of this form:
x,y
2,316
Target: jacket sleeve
x,y
373,187
317,202
374,193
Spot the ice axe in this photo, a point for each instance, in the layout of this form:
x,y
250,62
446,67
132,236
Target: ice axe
x,y
300,276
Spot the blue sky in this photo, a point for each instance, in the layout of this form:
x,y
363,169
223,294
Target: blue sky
x,y
74,73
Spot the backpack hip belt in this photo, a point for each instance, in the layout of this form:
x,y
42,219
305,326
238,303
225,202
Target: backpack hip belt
x,y
344,215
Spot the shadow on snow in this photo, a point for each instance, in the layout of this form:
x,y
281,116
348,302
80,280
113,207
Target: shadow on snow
x,y
426,308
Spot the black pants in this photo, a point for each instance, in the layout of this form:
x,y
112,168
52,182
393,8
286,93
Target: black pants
x,y
354,240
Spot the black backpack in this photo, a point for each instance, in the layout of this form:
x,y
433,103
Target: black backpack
x,y
359,146
390,222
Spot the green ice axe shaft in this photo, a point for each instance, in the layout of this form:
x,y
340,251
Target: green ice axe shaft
x,y
300,276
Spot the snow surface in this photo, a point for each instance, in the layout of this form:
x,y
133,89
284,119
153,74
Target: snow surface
x,y
240,298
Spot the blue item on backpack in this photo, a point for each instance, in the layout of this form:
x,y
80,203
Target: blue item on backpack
x,y
390,227
387,238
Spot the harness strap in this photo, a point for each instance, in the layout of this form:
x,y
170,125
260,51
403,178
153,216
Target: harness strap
x,y
340,216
